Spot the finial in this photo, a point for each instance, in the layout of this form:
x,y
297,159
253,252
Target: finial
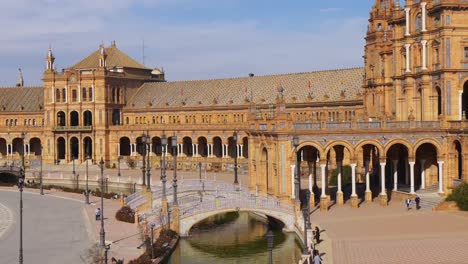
x,y
20,82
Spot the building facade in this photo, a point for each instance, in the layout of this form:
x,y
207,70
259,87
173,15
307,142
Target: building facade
x,y
397,123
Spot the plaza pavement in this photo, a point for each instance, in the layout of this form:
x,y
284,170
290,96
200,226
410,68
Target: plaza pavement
x,y
375,234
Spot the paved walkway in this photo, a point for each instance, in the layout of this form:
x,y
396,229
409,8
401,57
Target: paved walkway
x,y
375,234
6,219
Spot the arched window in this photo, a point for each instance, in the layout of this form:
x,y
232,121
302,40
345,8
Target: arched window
x,y
84,94
64,95
90,93
57,95
439,101
418,22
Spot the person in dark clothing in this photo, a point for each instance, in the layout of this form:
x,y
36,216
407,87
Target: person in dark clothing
x,y
317,234
417,200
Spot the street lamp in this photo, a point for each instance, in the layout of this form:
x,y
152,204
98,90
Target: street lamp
x,y
148,163
306,215
73,160
40,177
102,232
234,138
21,177
163,167
106,249
199,170
87,187
143,151
118,164
174,152
297,180
270,239
152,238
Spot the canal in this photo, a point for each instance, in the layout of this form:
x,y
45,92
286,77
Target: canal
x,y
235,238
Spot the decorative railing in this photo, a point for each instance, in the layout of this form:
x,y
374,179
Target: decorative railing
x,y
365,125
73,128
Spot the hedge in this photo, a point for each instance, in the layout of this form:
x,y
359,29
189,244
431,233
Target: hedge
x,y
460,196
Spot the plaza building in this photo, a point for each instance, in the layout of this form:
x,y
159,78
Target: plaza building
x,y
397,124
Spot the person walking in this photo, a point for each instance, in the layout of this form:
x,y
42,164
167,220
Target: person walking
x,y
317,234
317,258
417,200
408,203
98,214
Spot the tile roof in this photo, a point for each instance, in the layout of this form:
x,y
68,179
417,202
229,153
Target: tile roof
x,y
21,99
325,86
115,58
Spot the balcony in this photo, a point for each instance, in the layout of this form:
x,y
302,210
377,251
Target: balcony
x,y
73,129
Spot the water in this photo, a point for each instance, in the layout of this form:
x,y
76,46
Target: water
x,y
235,239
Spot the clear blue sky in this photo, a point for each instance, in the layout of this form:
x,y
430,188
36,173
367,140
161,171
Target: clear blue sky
x,y
190,39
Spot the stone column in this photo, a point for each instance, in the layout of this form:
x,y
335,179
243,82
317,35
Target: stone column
x,y
383,193
354,197
339,192
118,149
407,47
441,177
411,163
424,54
241,146
423,14
323,196
407,17
423,175
368,196
395,175
460,106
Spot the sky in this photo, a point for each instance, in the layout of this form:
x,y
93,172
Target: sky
x,y
189,39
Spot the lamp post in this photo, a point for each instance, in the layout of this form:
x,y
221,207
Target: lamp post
x,y
143,150
21,178
73,160
102,233
174,184
87,187
40,177
270,239
118,165
199,170
297,179
152,238
234,137
148,163
106,249
163,167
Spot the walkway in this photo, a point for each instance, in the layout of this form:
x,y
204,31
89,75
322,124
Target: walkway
x,y
70,225
375,234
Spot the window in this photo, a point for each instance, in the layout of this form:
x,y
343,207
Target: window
x,y
57,95
418,25
466,54
74,95
64,95
90,94
379,27
84,94
447,20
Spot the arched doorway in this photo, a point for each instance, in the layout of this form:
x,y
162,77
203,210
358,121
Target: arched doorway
x,y
60,148
439,101
397,165
426,169
18,146
202,147
217,147
88,147
370,170
124,147
61,118
3,147
245,147
187,146
465,101
87,118
74,148
157,146
459,159
264,168
232,147
307,158
35,145
74,118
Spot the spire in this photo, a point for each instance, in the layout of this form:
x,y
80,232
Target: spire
x,y
102,56
20,82
50,60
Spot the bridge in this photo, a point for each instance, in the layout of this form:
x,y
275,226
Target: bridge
x,y
10,169
200,199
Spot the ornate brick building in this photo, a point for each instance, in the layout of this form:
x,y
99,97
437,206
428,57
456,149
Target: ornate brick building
x,y
398,123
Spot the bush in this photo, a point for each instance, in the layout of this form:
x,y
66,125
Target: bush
x,y
125,214
460,196
165,236
345,176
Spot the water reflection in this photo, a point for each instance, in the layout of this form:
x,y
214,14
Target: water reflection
x,y
234,238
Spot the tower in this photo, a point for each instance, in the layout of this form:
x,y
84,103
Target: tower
x,y
50,59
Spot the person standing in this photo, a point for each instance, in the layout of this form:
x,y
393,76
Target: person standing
x,y
408,203
98,214
317,234
317,258
417,200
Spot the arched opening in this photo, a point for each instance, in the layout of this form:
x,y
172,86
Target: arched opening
x,y
87,118
3,147
398,167
8,178
217,147
88,147
338,171
35,145
465,100
74,118
74,148
202,147
439,101
60,148
18,146
426,169
370,173
187,146
115,117
308,157
124,147
141,146
459,159
421,105
61,118
264,168
245,147
157,146
232,147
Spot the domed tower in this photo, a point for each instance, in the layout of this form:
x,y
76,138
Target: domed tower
x,y
378,60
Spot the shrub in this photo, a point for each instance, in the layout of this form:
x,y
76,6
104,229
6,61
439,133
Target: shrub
x,y
165,236
125,214
460,196
345,176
